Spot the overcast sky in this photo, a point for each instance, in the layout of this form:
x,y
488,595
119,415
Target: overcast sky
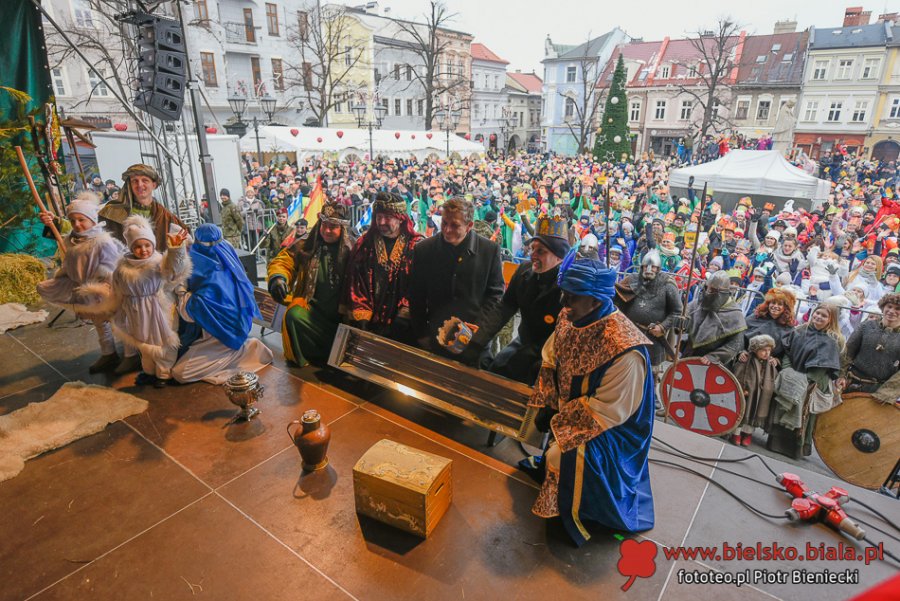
x,y
516,29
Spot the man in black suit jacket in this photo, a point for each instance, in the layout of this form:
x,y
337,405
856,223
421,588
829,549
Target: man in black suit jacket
x,y
454,274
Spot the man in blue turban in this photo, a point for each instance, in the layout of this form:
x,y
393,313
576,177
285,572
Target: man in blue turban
x,y
596,395
217,310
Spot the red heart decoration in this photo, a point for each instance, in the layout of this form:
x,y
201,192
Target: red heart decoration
x,y
397,134
294,132
428,136
211,130
413,136
120,126
340,134
468,136
319,140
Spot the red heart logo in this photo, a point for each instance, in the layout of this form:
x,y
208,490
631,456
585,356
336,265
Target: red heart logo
x,y
211,130
428,136
413,136
294,132
638,560
397,134
468,136
340,134
319,140
120,126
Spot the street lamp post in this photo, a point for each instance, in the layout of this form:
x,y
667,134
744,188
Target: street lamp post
x,y
361,109
238,105
449,121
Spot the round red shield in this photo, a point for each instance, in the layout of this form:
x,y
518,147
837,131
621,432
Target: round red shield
x,y
705,399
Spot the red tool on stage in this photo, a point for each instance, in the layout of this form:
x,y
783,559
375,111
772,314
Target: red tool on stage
x,y
809,505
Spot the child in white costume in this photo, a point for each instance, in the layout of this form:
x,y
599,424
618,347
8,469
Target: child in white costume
x,y
143,297
91,257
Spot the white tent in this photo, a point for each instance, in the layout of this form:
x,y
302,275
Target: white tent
x,y
346,143
763,175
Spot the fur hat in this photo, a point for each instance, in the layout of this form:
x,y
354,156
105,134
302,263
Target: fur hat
x,y
783,296
135,228
760,342
87,204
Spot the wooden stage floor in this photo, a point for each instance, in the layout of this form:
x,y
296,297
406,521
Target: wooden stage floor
x,y
174,504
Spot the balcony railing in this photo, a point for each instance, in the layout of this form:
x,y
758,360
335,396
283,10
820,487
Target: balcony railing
x,y
236,33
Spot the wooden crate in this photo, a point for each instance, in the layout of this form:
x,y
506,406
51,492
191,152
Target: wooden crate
x,y
402,486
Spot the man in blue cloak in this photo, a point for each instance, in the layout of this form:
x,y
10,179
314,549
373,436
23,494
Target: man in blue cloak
x,y
596,394
216,312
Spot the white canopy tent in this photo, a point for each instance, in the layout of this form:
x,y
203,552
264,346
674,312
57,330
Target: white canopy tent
x,y
763,175
346,143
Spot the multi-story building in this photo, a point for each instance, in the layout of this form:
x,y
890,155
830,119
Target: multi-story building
x,y
490,117
768,85
524,92
884,139
663,82
844,69
570,72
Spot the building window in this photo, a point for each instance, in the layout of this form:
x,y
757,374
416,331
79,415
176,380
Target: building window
x,y
409,110
635,111
496,82
787,57
59,82
208,66
98,86
834,113
715,110
870,68
743,107
570,74
397,72
420,107
338,107
811,111
257,74
408,72
277,74
201,11
303,25
84,17
820,71
307,76
249,29
895,108
762,110
687,106
272,18
570,108
397,106
845,66
859,111
521,118
477,111
692,71
660,113
377,76
348,56
761,59
385,103
664,72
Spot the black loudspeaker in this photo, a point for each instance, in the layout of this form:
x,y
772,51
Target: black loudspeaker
x,y
248,262
162,66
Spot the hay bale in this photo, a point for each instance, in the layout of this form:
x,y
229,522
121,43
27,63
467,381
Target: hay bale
x,y
19,277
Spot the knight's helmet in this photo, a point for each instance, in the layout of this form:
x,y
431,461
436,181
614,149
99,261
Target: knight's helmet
x,y
651,258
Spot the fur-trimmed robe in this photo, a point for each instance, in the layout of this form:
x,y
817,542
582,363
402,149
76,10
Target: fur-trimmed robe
x,y
90,258
141,299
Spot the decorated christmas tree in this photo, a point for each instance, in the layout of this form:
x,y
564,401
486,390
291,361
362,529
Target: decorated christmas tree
x,y
612,139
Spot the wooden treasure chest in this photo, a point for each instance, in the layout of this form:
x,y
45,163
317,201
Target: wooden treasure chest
x,y
402,486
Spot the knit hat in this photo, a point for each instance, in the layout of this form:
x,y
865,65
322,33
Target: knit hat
x,y
774,234
225,192
760,342
783,279
135,228
87,204
790,231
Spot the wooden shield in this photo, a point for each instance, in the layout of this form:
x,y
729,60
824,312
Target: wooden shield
x,y
859,440
705,399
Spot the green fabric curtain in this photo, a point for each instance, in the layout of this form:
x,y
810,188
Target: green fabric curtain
x,y
23,59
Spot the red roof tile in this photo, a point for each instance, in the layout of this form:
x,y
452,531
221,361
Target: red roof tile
x,y
531,82
482,52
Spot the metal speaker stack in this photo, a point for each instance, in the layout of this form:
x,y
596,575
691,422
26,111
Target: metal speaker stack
x,y
162,66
